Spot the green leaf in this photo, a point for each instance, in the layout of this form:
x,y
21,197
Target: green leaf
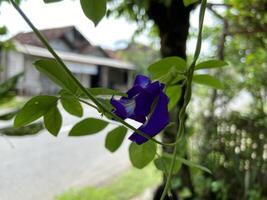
x,y
163,66
142,155
115,138
8,116
57,74
189,2
31,129
105,91
106,103
34,109
88,126
171,77
174,93
163,163
51,1
208,80
9,85
53,120
210,64
193,165
3,30
95,10
189,163
71,104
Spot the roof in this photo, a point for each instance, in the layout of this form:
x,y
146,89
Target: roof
x,y
80,44
74,57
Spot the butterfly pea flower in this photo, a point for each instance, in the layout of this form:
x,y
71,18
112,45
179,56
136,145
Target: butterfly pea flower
x,y
146,103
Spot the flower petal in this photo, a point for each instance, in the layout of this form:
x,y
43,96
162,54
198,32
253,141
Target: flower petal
x,y
139,118
156,122
134,91
143,103
145,98
142,81
154,89
120,110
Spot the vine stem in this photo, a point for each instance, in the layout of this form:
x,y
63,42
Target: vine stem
x,y
187,97
101,108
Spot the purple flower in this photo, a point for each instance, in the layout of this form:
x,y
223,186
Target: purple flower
x,y
146,103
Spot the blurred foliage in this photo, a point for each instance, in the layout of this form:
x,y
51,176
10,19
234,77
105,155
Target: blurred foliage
x,y
247,17
17,1
234,121
31,129
140,55
8,93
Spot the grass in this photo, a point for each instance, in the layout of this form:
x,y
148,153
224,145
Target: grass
x,y
125,187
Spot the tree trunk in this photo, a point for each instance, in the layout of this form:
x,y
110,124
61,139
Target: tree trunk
x,y
173,24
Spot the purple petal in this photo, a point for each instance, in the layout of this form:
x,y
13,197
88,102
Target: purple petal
x,y
143,103
154,89
139,118
134,91
120,110
146,97
142,81
156,122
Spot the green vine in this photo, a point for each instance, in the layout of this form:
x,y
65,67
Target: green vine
x,y
187,97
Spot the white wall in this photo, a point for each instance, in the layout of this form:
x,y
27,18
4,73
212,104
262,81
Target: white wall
x,y
14,63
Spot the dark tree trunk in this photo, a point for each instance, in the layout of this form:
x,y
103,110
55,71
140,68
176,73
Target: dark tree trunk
x,y
173,24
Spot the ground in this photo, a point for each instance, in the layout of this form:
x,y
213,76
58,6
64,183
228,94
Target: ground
x,y
43,166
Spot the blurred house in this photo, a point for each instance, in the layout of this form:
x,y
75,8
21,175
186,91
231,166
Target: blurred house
x,y
92,65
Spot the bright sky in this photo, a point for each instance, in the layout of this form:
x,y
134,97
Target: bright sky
x,y
63,14
69,12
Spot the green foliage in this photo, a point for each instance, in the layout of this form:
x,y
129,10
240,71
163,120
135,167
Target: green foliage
x,y
174,94
95,10
162,67
193,165
57,74
232,133
140,55
100,91
53,120
189,2
8,116
71,104
142,155
88,126
3,30
34,109
51,1
17,1
8,87
163,163
115,138
210,64
31,129
208,80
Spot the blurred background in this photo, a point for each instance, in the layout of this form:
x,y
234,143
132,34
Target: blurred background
x,y
226,129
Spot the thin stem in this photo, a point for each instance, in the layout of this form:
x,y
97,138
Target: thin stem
x,y
87,103
187,97
101,108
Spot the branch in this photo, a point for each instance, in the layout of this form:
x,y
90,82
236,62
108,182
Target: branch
x,y
210,7
219,4
247,32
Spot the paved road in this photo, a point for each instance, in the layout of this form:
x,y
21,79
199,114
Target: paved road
x,y
42,166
